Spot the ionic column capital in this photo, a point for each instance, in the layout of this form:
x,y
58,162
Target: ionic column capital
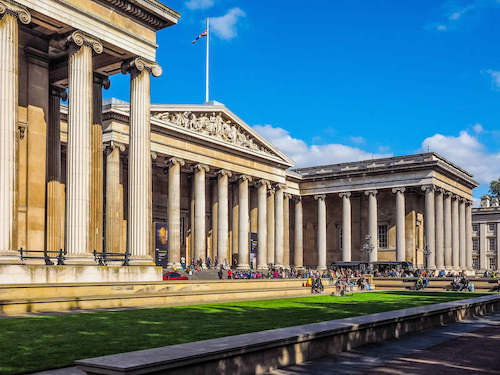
x,y
440,190
140,64
79,39
320,197
262,182
201,167
280,187
223,172
447,194
18,11
58,92
175,161
154,155
287,195
371,192
112,145
345,194
428,188
102,80
244,177
400,189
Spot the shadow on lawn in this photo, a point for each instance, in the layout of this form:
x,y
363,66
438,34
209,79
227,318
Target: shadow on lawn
x,y
45,342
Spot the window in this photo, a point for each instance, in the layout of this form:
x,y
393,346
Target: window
x,y
475,228
492,263
339,232
492,244
475,263
491,227
475,244
382,236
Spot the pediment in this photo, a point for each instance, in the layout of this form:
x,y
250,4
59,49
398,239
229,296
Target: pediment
x,y
220,125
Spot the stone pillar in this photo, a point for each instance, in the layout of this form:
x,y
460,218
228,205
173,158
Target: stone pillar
x,y
298,248
346,226
200,249
114,207
468,235
222,215
9,92
174,211
235,219
455,230
139,186
429,225
400,224
79,136
55,206
262,224
439,228
286,229
447,230
96,156
372,224
270,226
483,247
321,231
243,239
214,222
278,225
462,238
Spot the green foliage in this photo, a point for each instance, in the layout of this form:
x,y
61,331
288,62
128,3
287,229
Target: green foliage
x,y
495,188
52,341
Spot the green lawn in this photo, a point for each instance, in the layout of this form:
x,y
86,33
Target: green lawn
x,y
52,341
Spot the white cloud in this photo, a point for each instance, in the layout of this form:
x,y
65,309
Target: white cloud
x,y
225,26
306,155
358,140
478,128
455,12
494,76
199,4
467,152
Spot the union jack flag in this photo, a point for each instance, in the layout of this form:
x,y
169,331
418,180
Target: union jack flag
x,y
205,33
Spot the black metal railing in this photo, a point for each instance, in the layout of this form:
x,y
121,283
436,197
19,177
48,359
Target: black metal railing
x,y
103,257
46,255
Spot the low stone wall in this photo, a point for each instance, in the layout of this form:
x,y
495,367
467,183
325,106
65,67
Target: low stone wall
x,y
257,353
435,284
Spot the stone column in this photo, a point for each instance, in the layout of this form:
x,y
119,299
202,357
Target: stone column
x,y
462,238
298,248
96,156
455,230
346,226
9,92
372,224
222,215
139,186
321,231
483,247
214,222
270,226
55,206
286,229
262,224
200,249
114,208
79,136
174,211
235,219
278,225
468,235
243,240
447,230
439,228
400,224
429,225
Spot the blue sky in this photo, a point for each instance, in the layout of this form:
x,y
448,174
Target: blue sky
x,y
332,81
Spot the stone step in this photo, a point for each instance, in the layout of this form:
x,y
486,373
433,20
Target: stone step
x,y
19,306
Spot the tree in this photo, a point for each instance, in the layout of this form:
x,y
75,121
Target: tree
x,y
495,188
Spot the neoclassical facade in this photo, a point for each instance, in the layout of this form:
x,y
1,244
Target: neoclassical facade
x,y
194,181
485,238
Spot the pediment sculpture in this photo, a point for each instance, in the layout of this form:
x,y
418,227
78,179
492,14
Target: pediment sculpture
x,y
215,126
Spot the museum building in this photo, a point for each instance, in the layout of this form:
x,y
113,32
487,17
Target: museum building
x,y
162,183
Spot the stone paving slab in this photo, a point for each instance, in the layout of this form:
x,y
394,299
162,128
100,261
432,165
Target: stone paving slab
x,y
468,346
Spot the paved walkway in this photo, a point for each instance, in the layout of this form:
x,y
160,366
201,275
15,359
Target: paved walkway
x,y
466,347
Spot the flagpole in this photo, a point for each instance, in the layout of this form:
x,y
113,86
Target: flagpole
x,y
206,64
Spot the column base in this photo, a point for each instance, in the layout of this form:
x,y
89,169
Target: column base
x,y
243,267
10,257
80,260
262,267
321,268
141,261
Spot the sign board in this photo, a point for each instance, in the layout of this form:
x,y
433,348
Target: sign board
x,y
161,244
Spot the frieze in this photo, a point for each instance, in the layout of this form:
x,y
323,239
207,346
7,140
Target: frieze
x,y
213,125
